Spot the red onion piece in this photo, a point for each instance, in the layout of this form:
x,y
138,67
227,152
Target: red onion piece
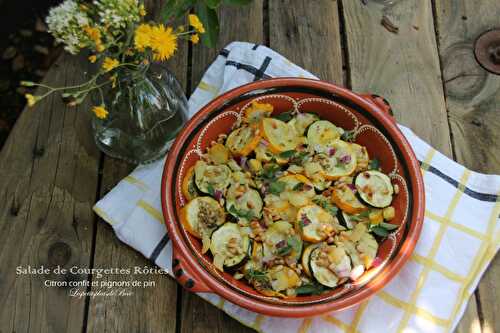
x,y
345,159
331,151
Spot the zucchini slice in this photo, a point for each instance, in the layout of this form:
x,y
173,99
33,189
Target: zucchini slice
x,y
188,186
346,220
302,121
316,224
374,188
306,256
298,190
257,111
280,136
339,161
322,134
279,240
218,154
229,246
243,141
283,278
361,245
201,216
362,157
344,197
244,202
211,178
321,272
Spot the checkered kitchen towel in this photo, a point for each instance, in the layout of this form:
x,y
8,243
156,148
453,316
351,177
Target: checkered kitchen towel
x,y
460,236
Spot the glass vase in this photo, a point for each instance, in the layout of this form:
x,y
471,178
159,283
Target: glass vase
x,y
146,110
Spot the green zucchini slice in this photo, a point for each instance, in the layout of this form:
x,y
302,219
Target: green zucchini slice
x,y
374,188
229,246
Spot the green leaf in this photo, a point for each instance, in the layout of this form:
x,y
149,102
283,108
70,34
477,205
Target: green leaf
x,y
212,3
388,226
284,116
298,187
253,274
269,170
284,251
295,243
277,187
374,164
347,136
208,17
332,209
287,154
310,289
210,189
237,2
173,9
379,231
244,214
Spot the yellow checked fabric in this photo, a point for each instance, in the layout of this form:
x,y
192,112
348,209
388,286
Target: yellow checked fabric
x,y
460,236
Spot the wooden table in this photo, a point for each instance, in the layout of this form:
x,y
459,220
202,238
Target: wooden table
x,y
51,172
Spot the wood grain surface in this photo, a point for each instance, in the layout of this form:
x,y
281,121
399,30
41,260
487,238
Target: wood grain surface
x,y
473,102
51,173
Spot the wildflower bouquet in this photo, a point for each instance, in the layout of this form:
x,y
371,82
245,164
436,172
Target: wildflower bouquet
x,y
118,38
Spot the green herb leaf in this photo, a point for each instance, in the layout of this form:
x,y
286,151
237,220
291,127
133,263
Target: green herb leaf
x,y
210,189
269,170
287,154
347,136
244,214
284,251
284,116
253,274
379,231
374,164
323,203
298,187
208,17
388,226
309,289
295,243
277,187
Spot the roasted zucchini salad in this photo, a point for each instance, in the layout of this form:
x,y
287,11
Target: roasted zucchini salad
x,y
288,203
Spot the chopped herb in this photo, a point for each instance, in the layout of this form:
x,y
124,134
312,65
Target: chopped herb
x,y
255,275
269,171
295,243
210,189
388,226
244,214
284,116
298,157
379,231
310,289
287,154
332,209
347,136
298,187
277,187
364,214
374,164
284,251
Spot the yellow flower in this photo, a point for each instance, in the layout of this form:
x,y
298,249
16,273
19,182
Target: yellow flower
x,y
31,99
142,37
195,38
142,10
108,64
99,47
93,33
100,112
195,22
163,42
113,81
92,58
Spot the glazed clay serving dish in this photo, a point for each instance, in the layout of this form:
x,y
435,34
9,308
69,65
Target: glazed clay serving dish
x,y
369,119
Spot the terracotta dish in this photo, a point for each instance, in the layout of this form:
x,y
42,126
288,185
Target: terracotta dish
x,y
368,116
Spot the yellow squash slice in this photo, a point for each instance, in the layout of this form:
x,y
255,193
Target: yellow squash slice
x,y
242,141
280,136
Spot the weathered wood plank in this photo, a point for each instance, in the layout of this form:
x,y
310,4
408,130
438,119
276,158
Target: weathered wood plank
x,y
147,310
472,96
48,172
237,24
402,67
308,35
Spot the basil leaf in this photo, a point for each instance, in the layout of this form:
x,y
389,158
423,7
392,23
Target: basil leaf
x,y
388,226
379,231
277,187
309,289
298,187
269,170
210,189
332,209
374,164
208,17
287,154
284,116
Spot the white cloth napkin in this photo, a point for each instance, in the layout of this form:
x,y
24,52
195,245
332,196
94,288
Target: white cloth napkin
x,y
460,235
